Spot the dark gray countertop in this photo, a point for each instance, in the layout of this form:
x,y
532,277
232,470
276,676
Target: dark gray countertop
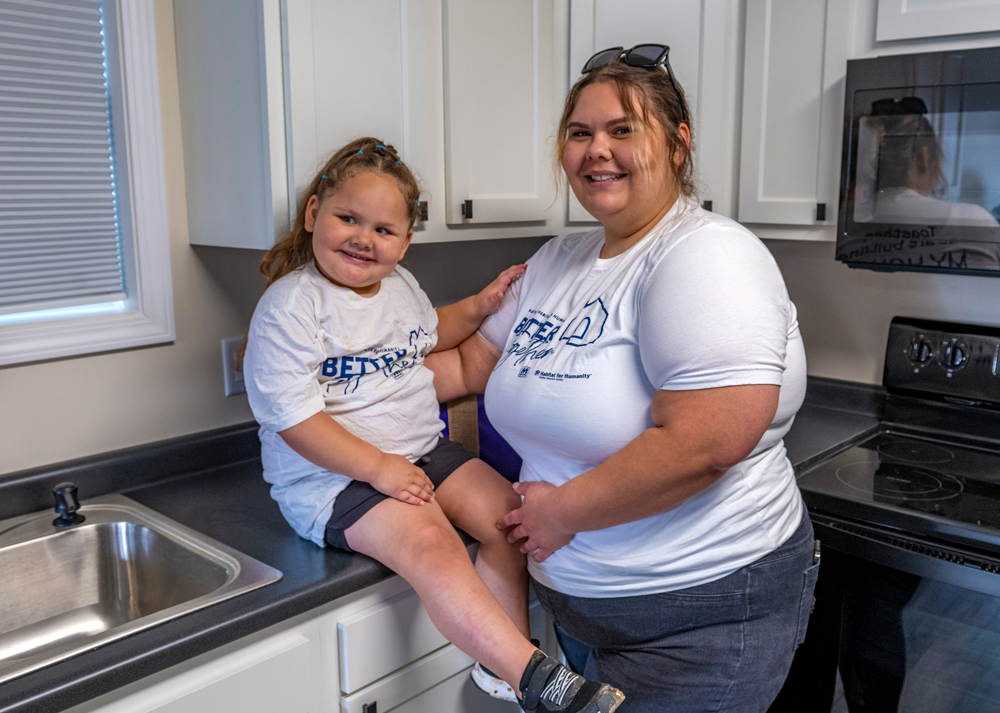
x,y
212,483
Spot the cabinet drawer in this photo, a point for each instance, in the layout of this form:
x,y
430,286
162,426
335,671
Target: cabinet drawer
x,y
438,683
383,638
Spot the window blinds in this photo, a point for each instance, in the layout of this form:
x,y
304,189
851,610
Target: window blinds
x,y
59,238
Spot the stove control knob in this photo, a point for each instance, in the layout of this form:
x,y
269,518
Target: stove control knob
x,y
954,354
920,351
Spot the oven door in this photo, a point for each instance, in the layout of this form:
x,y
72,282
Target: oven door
x,y
911,626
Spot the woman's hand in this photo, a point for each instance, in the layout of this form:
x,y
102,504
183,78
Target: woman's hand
x,y
534,520
400,479
488,301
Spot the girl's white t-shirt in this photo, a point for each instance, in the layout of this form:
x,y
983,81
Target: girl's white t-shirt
x,y
315,346
698,303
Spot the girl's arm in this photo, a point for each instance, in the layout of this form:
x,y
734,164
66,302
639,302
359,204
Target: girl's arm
x,y
321,440
457,322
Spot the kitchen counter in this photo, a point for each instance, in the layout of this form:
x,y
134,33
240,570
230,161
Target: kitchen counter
x,y
212,483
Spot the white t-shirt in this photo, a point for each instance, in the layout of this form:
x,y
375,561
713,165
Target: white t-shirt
x,y
315,346
697,303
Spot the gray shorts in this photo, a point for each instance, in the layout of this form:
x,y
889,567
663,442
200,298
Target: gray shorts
x,y
360,497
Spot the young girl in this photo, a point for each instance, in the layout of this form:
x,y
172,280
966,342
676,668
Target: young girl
x,y
350,433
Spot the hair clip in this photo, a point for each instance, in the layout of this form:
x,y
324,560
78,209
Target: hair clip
x,y
324,175
380,146
360,151
398,161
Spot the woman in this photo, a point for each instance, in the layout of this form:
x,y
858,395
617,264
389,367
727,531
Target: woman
x,y
646,373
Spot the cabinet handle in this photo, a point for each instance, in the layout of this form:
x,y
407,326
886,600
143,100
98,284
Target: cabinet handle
x,y
821,211
370,707
707,205
467,210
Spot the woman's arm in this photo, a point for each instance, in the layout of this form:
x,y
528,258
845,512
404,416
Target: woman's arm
x,y
697,436
321,440
464,369
457,322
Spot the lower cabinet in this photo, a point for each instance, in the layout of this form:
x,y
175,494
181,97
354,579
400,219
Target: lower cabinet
x,y
373,651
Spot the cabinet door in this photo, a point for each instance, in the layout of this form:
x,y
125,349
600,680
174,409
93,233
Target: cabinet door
x,y
229,72
793,97
356,69
279,673
905,20
499,110
703,41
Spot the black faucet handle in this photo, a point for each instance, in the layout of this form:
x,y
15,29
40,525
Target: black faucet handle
x,y
67,505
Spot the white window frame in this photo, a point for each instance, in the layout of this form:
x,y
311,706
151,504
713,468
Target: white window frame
x,y
148,314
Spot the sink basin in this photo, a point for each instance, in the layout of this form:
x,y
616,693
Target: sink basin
x,y
126,568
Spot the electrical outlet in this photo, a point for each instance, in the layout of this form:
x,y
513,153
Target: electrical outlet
x,y
234,378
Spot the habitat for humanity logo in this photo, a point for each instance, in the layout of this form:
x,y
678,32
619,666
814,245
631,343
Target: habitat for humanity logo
x,y
554,376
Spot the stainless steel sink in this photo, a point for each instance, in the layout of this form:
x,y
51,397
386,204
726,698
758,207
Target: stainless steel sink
x,y
126,568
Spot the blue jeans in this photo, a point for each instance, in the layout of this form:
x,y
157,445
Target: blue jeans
x,y
722,646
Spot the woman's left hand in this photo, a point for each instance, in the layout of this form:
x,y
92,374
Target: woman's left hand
x,y
533,522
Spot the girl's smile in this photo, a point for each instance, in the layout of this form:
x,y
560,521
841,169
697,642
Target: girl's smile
x,y
359,232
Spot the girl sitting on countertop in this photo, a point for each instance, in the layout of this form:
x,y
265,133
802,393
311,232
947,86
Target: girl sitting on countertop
x,y
350,427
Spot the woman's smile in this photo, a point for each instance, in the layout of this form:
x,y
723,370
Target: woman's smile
x,y
624,183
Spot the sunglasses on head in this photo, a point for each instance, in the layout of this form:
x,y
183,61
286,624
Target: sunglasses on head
x,y
644,56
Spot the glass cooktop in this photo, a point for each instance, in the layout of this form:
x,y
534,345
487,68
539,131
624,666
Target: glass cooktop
x,y
957,483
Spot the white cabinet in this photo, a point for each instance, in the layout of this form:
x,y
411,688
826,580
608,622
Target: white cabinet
x,y
229,70
703,37
501,109
361,69
377,646
467,91
793,98
279,672
907,20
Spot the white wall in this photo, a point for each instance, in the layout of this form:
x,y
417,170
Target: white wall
x,y
844,313
70,408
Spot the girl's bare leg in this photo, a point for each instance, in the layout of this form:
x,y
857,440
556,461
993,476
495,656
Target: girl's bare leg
x,y
473,498
420,544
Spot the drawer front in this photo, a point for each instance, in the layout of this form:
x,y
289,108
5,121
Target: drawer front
x,y
438,683
383,638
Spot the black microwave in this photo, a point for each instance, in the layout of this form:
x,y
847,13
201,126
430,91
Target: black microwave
x,y
920,171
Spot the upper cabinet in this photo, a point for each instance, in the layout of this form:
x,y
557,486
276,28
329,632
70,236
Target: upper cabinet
x,y
703,36
229,69
500,104
467,92
360,69
907,20
793,98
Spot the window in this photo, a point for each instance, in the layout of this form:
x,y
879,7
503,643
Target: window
x,y
84,246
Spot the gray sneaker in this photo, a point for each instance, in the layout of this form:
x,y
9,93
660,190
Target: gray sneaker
x,y
549,687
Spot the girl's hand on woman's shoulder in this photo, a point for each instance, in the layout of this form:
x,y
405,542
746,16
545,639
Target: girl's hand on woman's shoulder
x,y
400,479
534,520
488,301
